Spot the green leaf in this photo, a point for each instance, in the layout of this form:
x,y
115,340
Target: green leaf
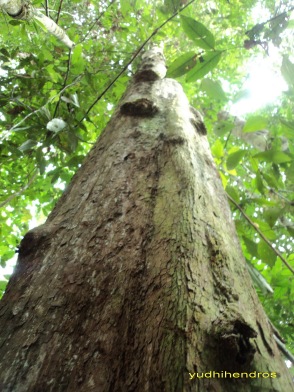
x,y
255,123
266,230
54,76
259,183
77,59
182,65
73,141
27,145
251,246
7,255
5,52
273,156
3,284
15,22
287,128
254,164
272,214
287,70
233,193
3,101
125,7
217,149
267,255
223,178
40,160
213,89
223,127
207,62
75,161
69,142
198,33
235,158
290,172
170,6
55,175
271,180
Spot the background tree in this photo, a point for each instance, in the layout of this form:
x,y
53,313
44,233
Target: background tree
x,y
21,10
54,104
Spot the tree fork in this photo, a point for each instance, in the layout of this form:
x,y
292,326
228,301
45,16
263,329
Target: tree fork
x,y
136,282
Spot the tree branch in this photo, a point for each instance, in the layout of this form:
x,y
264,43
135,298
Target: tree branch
x,y
59,11
64,83
133,58
276,251
283,349
95,21
25,11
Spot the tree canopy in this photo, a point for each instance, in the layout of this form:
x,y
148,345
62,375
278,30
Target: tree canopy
x,y
55,101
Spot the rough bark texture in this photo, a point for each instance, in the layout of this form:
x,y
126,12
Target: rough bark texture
x,y
137,278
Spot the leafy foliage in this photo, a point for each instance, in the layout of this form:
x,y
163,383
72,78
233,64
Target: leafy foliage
x,y
54,103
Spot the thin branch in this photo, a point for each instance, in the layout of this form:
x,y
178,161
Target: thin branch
x,y
59,11
281,342
259,26
47,8
64,83
133,58
272,190
279,15
276,251
96,20
283,349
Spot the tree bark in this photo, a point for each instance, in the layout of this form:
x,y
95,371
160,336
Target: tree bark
x,y
22,10
137,282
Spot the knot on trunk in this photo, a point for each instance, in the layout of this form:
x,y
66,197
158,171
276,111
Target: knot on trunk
x,y
233,339
142,107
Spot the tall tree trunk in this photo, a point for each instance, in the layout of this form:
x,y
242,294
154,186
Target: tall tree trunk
x,y
137,282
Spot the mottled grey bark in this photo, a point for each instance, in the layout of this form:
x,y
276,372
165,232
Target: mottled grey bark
x,y
24,10
137,282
